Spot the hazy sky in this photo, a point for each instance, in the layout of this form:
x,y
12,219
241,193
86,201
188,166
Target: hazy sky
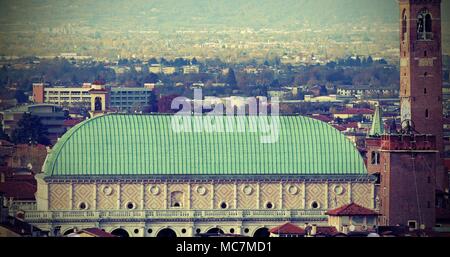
x,y
204,13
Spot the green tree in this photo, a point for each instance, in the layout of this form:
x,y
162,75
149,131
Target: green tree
x,y
231,78
30,130
3,135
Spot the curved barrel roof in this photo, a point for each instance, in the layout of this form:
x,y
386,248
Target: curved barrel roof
x,y
146,145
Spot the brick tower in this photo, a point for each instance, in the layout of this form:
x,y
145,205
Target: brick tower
x,y
409,160
421,72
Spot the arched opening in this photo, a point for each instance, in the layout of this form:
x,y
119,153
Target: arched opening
x,y
98,104
176,199
167,232
69,231
120,232
424,26
215,231
404,26
261,233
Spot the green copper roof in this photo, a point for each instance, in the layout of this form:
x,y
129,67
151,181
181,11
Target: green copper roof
x,y
377,128
146,145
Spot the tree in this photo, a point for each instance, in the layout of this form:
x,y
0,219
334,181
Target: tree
x,y
20,96
151,78
152,61
231,78
30,130
3,135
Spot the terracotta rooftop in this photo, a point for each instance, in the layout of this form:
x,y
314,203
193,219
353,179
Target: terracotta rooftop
x,y
322,117
72,122
355,111
352,209
326,230
287,228
19,190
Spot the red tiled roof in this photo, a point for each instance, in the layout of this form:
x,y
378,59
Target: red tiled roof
x,y
19,190
321,117
72,122
326,230
287,228
97,232
339,127
352,209
355,111
351,125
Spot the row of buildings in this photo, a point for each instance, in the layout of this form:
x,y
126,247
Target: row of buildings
x,y
119,98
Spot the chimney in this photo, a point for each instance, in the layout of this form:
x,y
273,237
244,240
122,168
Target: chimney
x,y
313,230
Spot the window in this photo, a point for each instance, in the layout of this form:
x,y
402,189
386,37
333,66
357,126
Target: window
x,y
357,220
424,26
425,91
404,26
269,205
183,231
412,224
425,54
149,231
136,231
427,114
314,205
82,206
130,206
223,205
375,158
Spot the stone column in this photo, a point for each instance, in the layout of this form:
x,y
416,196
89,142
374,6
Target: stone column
x,y
72,204
94,202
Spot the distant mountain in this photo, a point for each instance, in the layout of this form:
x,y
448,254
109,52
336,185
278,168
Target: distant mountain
x,y
174,14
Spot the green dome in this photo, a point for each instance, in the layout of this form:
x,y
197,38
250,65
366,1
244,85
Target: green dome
x,y
146,145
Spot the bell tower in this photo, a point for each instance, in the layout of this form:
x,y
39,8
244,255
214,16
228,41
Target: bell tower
x,y
421,71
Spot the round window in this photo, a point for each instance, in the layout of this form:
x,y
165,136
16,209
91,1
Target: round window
x,y
247,190
314,205
107,190
83,206
154,190
149,231
339,190
183,231
223,205
293,190
269,205
198,231
136,231
130,206
201,190
232,230
246,230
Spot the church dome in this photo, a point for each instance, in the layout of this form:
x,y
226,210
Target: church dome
x,y
146,145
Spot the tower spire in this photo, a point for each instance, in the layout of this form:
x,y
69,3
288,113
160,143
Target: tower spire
x,y
377,128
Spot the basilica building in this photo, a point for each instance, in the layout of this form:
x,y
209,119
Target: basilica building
x,y
134,175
